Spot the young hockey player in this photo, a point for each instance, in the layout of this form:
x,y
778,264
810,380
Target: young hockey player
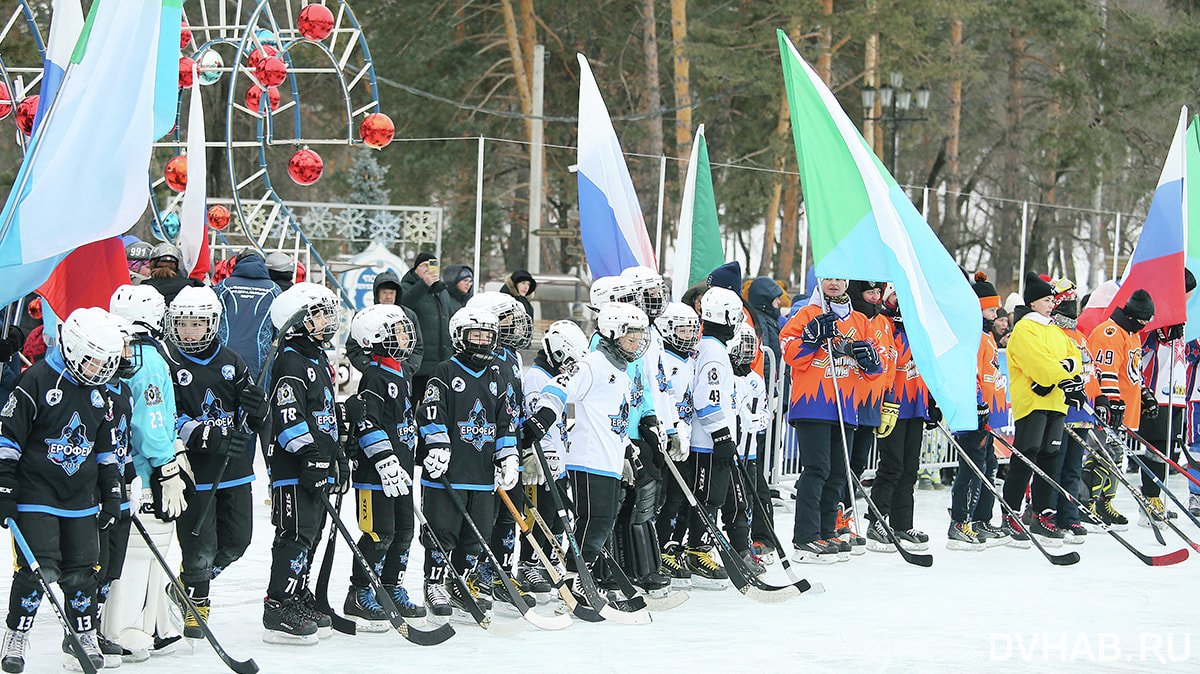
x,y
971,504
301,459
680,329
750,403
136,615
1117,353
563,346
1044,369
465,419
382,455
600,453
1070,459
820,345
59,477
214,396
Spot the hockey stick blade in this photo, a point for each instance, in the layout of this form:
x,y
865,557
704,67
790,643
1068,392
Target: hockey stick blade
x,y
910,556
239,666
799,583
413,635
338,622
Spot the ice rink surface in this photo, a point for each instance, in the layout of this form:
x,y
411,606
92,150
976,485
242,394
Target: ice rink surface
x,y
1004,609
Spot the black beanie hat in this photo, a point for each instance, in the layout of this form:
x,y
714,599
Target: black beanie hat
x,y
423,256
1036,289
1068,308
1139,306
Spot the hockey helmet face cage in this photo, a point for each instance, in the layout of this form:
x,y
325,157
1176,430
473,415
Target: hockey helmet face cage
x,y
680,327
721,306
192,319
316,305
131,358
142,306
474,332
743,347
384,329
649,288
92,344
565,345
613,289
623,327
516,326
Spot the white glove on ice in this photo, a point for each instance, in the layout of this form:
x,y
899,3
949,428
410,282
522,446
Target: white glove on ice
x,y
508,472
395,480
437,461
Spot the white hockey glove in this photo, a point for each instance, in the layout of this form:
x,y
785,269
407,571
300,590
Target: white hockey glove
x,y
531,470
395,480
627,473
169,485
508,472
678,448
437,461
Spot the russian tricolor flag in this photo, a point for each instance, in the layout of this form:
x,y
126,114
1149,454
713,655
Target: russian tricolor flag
x,y
610,217
1158,259
65,26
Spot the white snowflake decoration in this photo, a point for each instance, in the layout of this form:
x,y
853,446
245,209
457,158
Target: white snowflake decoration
x,y
318,222
350,223
384,227
421,227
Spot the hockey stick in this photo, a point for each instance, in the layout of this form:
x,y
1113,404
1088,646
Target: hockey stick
x,y
1146,443
84,661
1057,560
340,623
627,588
631,612
516,599
1163,488
263,378
783,557
239,666
582,612
416,636
507,629
746,583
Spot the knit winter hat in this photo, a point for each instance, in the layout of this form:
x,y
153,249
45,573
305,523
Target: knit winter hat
x,y
1036,289
423,256
1139,306
985,291
727,276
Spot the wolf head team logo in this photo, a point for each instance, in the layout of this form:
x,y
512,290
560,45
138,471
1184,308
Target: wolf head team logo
x,y
184,377
70,449
510,402
458,384
121,439
620,420
325,417
227,372
638,390
10,407
393,390
31,602
299,563
214,410
476,431
81,602
661,378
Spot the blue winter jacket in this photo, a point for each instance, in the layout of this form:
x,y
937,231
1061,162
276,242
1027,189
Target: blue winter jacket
x,y
246,322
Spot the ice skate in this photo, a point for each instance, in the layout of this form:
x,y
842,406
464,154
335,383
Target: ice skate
x,y
815,552
406,606
533,580
992,535
673,565
1074,534
12,652
437,600
308,605
366,612
914,540
1103,508
877,538
1157,510
962,537
766,553
707,574
1046,530
1015,531
191,626
91,648
287,624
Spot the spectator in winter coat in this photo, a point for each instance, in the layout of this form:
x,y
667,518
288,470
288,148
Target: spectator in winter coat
x,y
520,284
423,291
764,296
386,290
246,295
282,270
460,283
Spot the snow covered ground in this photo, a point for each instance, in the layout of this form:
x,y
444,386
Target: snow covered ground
x,y
1004,609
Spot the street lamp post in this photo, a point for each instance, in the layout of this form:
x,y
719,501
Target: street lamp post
x,y
895,102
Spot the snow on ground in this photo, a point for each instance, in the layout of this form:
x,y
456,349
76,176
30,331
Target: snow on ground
x,y
1004,609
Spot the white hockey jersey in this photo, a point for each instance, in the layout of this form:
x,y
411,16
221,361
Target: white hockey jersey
x,y
601,394
660,384
533,382
712,392
753,418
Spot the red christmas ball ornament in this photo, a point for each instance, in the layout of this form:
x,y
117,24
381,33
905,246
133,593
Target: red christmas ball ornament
x,y
5,95
218,217
26,111
377,129
305,167
176,173
272,71
185,72
256,57
254,97
315,22
185,34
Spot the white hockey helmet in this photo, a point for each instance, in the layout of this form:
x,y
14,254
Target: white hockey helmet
x,y
143,306
193,317
721,306
316,306
679,326
565,344
474,332
92,344
616,321
612,289
386,327
516,326
652,292
743,348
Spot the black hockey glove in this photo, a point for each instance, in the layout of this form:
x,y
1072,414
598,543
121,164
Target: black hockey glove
x,y
819,329
314,469
933,415
341,478
724,448
8,491
12,344
985,415
1171,333
867,356
1073,391
209,439
536,426
648,428
343,420
1149,404
255,407
112,492
1042,390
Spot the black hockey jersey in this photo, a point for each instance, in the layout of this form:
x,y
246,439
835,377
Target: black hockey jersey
x,y
386,425
303,410
207,393
509,364
467,411
54,430
118,423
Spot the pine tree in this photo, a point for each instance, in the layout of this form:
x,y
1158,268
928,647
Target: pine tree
x,y
366,179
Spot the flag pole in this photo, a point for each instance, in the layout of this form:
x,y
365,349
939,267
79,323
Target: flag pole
x,y
478,206
1116,246
662,188
1024,237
